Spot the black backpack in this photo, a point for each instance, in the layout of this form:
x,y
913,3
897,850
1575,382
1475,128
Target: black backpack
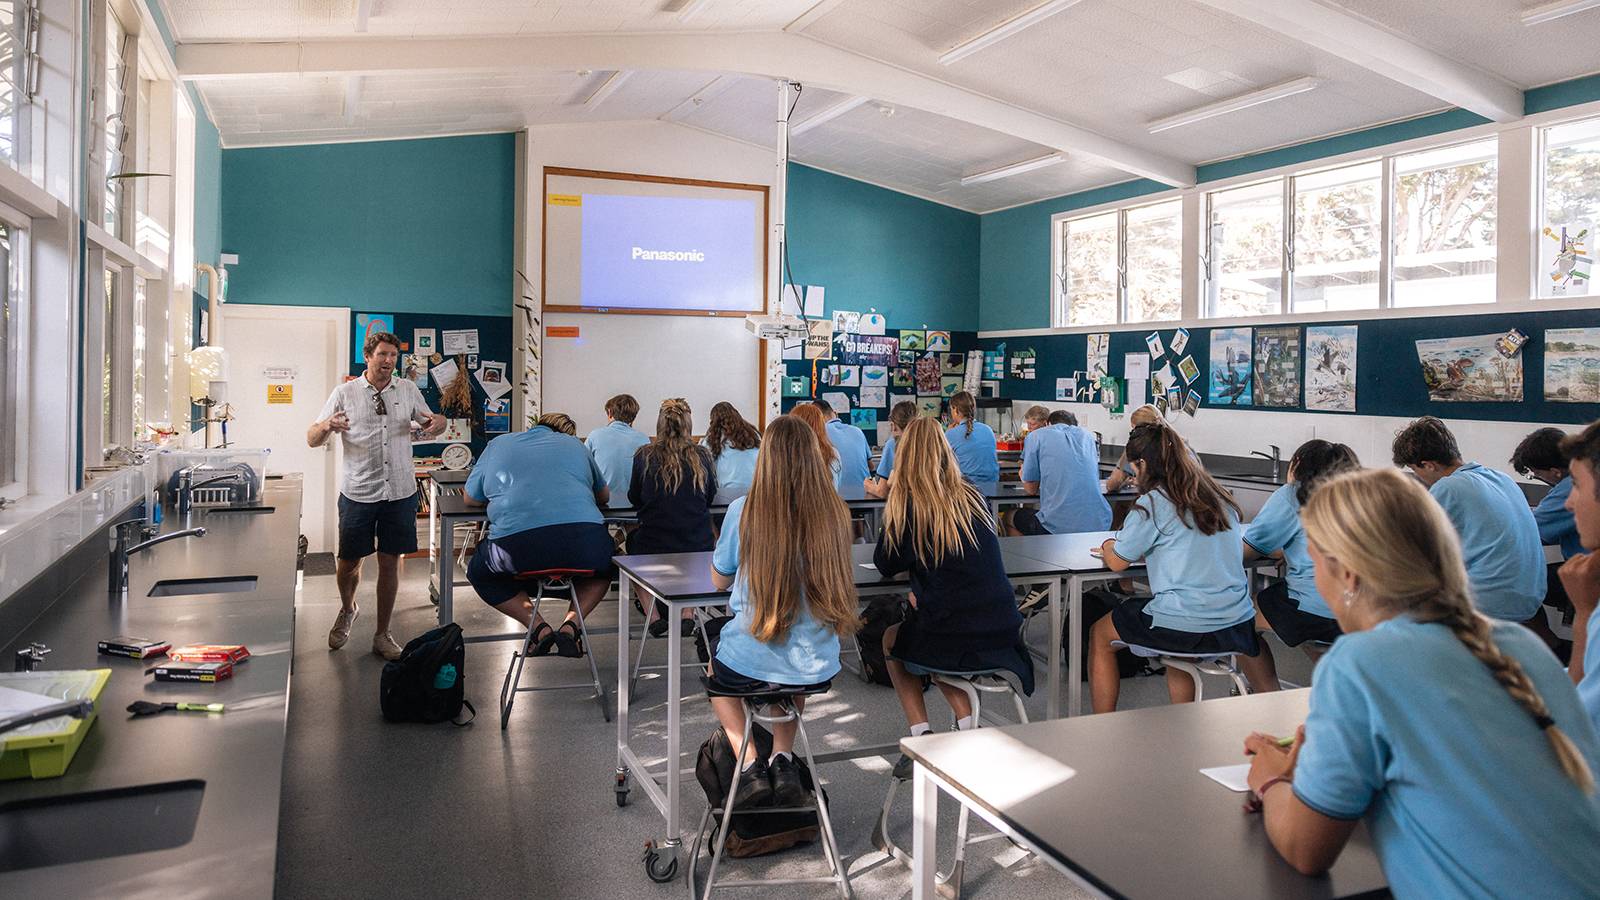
x,y
752,833
881,613
426,684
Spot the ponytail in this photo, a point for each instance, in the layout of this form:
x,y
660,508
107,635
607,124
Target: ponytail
x,y
1169,467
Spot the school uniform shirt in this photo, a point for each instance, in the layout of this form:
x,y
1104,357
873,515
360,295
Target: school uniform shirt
x,y
613,447
1277,527
535,478
1589,687
886,462
736,471
1197,580
377,449
807,654
1556,524
1065,463
1459,787
1499,538
672,521
851,444
975,453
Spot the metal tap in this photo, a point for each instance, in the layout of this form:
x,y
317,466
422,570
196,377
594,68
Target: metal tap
x,y
120,551
1277,460
187,486
29,657
78,709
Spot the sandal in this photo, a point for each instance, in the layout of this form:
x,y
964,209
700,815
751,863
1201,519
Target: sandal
x,y
544,638
566,641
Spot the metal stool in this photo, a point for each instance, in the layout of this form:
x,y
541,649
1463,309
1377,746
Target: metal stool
x,y
974,684
547,580
782,697
1194,665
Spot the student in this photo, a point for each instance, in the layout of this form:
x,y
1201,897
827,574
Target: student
x,y
963,614
972,441
899,419
1186,529
1540,456
1505,558
614,445
734,444
1454,736
1034,419
1064,417
1122,472
1291,608
813,416
672,485
544,492
785,552
1061,466
1580,575
851,444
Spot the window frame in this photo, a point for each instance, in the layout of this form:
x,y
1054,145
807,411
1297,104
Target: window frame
x,y
14,343
1541,161
1061,311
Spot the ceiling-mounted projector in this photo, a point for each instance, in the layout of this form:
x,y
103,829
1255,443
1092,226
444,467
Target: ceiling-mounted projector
x,y
773,328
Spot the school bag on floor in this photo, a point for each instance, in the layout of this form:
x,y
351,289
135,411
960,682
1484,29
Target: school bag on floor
x,y
755,834
881,613
427,682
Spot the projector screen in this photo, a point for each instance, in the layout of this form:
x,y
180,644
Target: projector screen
x,y
641,243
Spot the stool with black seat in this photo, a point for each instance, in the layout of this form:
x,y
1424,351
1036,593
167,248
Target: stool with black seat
x,y
1194,665
974,684
541,582
783,698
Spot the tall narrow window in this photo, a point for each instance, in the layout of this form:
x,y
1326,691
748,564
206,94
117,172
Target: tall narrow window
x,y
108,380
139,342
1246,277
1338,238
1154,254
118,62
1444,225
1571,204
10,77
8,361
1091,282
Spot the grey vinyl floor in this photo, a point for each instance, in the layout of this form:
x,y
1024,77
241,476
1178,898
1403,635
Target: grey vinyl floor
x,y
372,809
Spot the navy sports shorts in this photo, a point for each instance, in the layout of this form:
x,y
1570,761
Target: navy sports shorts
x,y
391,525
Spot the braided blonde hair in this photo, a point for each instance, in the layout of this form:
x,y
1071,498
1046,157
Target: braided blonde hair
x,y
1387,529
674,452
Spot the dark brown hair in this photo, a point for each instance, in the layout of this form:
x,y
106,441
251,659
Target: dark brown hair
x,y
1316,461
379,337
623,408
1062,417
1540,450
902,414
1168,467
1584,445
1426,440
729,429
964,403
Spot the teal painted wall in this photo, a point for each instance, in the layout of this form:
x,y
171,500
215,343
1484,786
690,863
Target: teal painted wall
x,y
915,261
207,186
386,226
1014,271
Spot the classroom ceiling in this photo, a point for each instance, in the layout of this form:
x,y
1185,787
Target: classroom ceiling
x,y
1107,66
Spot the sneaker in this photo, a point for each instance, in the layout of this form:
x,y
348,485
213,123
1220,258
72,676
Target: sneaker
x,y
903,768
754,788
1037,599
787,790
384,645
339,634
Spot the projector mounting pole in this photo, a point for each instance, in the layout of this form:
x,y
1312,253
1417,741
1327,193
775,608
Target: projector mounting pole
x,y
776,248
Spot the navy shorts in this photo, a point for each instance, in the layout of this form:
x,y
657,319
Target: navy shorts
x,y
391,525
572,545
1026,520
1134,626
1293,625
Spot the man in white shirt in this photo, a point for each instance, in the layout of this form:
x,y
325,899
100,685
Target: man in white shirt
x,y
374,416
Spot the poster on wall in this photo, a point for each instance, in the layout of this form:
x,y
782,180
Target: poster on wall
x,y
873,397
1180,340
874,376
1469,369
846,322
423,342
949,385
871,323
1277,366
819,339
913,340
952,364
1572,365
867,350
939,340
1569,258
1331,368
1230,367
414,367
928,375
367,325
1099,356
929,407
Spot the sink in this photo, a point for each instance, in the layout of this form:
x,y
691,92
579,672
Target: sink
x,y
183,587
52,831
239,509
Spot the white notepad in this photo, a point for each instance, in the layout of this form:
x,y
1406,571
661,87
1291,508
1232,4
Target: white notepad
x,y
1234,778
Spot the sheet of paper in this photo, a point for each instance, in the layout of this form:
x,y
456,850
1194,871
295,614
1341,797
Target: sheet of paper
x,y
791,303
871,323
1234,778
794,350
458,431
496,389
424,341
819,339
1066,389
444,373
463,340
814,298
1136,369
14,702
875,397
839,401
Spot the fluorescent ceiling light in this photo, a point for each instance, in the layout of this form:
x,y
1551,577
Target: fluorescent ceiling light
x,y
687,9
1549,11
1234,104
827,115
1014,169
1004,30
607,88
352,98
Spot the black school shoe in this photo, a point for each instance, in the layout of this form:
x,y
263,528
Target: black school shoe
x,y
903,768
787,791
754,788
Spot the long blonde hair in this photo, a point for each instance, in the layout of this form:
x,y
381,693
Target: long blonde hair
x,y
794,538
930,504
1387,529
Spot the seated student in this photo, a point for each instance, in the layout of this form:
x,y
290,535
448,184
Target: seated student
x,y
1580,575
1122,472
1064,417
785,552
1186,528
1454,736
963,615
1034,419
544,492
851,444
1540,456
1061,466
1505,558
899,419
972,440
1291,608
733,443
813,416
673,482
614,445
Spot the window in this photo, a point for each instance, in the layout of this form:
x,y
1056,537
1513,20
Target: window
x,y
1090,285
1571,202
1337,238
10,340
1444,225
10,70
1154,253
108,347
119,47
1246,266
139,342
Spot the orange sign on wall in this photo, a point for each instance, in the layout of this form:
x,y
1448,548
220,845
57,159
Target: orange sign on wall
x,y
564,331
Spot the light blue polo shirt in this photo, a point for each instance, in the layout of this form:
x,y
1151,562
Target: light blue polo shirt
x,y
1277,527
613,447
851,443
1197,580
1459,787
1064,461
886,462
1589,687
975,453
1499,538
535,478
1556,524
736,471
808,654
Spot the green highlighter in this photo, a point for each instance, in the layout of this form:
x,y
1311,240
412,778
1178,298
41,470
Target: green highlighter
x,y
147,708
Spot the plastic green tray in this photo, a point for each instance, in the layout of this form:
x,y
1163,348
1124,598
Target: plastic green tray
x,y
45,749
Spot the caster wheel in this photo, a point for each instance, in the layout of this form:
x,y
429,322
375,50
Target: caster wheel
x,y
621,788
661,866
622,798
433,595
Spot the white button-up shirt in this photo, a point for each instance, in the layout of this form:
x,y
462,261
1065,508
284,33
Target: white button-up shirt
x,y
377,449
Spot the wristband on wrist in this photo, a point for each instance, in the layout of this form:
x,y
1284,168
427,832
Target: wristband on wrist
x,y
1257,797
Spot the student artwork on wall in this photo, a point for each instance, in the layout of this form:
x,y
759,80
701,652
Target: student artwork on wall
x,y
415,368
1572,365
1277,366
1230,367
874,377
1099,356
1469,369
1191,403
907,357
952,364
927,372
1331,368
368,324
1180,340
846,322
994,363
900,378
846,376
897,399
872,397
838,402
1153,341
865,419
423,341
939,340
913,340
1188,369
871,323
1568,259
949,385
928,406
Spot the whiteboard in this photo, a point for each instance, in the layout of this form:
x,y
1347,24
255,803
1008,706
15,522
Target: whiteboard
x,y
704,360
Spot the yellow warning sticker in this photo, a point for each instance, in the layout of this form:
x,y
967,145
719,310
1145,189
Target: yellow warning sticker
x,y
280,393
566,199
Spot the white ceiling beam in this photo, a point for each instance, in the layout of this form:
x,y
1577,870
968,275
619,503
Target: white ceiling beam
x,y
817,11
1377,49
1006,29
607,88
766,55
1548,12
364,10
